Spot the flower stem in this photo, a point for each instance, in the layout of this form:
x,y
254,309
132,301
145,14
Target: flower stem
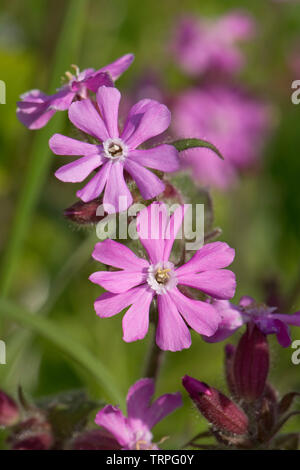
x,y
154,360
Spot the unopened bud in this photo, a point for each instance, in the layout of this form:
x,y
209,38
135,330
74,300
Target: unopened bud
x,y
251,364
96,439
83,213
216,407
32,434
9,411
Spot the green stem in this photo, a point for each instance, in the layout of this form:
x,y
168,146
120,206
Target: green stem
x,y
154,360
66,52
62,340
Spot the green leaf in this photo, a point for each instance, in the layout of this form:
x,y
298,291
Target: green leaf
x,y
185,144
62,340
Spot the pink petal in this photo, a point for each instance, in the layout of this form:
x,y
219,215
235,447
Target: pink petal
x,y
162,407
117,196
33,111
201,316
147,119
151,227
293,320
116,68
163,158
108,100
138,398
95,186
136,319
62,145
112,419
283,333
78,170
84,115
219,284
211,256
108,304
173,229
62,100
246,300
118,281
148,183
231,320
172,334
98,79
116,254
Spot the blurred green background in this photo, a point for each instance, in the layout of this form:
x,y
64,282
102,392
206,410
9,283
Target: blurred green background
x,y
46,260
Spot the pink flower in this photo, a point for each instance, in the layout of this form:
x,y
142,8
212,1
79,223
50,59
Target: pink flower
x,y
248,311
235,123
134,431
138,281
116,152
201,45
37,108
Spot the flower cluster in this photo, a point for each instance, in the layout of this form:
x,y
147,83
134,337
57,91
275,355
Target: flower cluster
x,y
156,281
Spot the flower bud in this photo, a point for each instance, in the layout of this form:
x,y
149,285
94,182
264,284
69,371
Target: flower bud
x,y
216,407
83,213
251,364
9,412
96,439
32,434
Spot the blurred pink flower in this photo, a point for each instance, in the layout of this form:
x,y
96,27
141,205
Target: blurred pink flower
x,y
36,108
201,44
137,282
235,123
134,431
116,152
248,311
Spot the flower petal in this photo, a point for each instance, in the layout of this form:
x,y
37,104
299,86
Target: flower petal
x,y
118,255
163,158
84,115
146,119
172,334
151,226
108,100
288,319
116,68
283,333
112,419
148,183
219,284
95,186
173,229
138,398
118,281
201,316
61,100
210,257
231,320
62,145
78,170
117,196
108,304
162,407
98,79
33,111
136,319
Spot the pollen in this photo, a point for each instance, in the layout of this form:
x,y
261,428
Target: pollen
x,y
115,150
162,275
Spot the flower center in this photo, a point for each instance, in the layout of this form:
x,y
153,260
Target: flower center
x,y
161,277
115,149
